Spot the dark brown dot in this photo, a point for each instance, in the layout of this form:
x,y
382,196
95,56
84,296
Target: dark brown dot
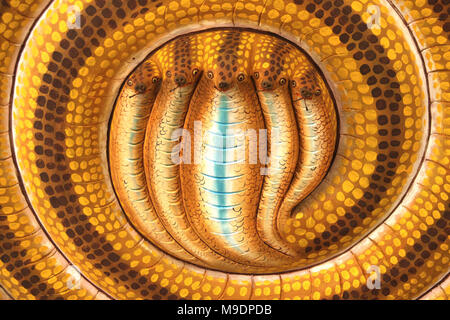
x,y
376,92
310,8
364,69
370,55
90,10
344,38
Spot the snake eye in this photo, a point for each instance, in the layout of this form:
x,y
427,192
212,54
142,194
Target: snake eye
x,y
294,84
168,73
155,79
318,92
256,75
282,81
210,74
195,71
241,77
130,82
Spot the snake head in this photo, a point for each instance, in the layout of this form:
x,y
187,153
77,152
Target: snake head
x,y
266,80
224,81
269,71
225,63
305,86
225,73
271,63
178,63
145,79
182,76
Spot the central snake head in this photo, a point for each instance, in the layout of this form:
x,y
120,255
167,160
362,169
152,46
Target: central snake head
x,y
225,66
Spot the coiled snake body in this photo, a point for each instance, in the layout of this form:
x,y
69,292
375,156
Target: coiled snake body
x,y
354,98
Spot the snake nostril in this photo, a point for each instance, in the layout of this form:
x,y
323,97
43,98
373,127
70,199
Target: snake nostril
x,y
223,85
180,80
266,85
306,93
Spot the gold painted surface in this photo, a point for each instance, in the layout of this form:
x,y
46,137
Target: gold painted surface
x,y
87,226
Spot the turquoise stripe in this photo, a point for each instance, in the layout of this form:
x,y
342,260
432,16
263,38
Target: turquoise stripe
x,y
218,175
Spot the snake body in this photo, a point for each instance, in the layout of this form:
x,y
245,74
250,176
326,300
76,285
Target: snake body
x,y
135,104
171,107
317,142
282,134
378,198
222,213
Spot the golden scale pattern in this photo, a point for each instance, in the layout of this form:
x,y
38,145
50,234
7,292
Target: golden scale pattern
x,y
59,86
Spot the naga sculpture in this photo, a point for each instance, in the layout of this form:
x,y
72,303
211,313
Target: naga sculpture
x,y
203,149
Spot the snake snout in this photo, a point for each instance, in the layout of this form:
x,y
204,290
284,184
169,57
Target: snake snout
x,y
180,80
306,93
140,87
223,85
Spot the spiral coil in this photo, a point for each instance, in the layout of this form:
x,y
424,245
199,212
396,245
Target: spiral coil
x,y
380,206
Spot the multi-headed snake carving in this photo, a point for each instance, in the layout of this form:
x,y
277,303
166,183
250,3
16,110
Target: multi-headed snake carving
x,y
203,149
